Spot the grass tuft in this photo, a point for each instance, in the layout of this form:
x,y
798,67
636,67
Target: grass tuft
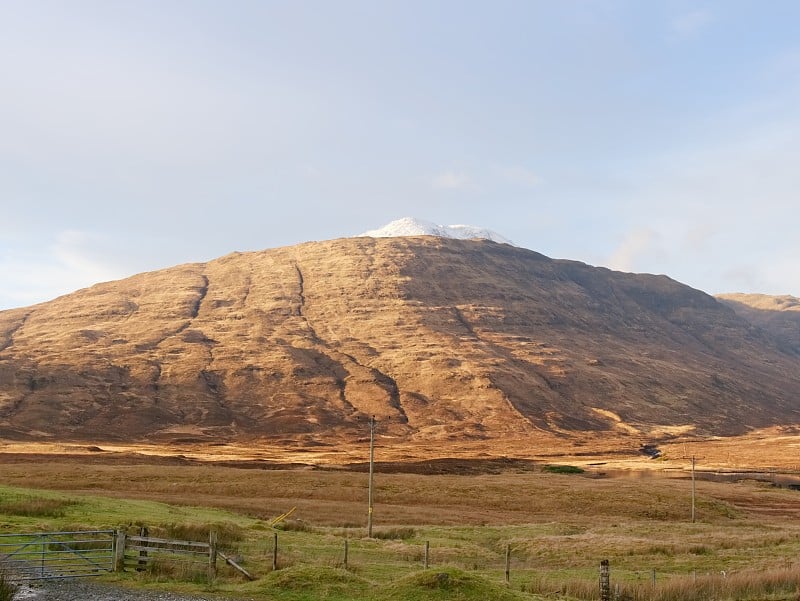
x,y
314,582
168,568
8,588
35,507
398,533
448,583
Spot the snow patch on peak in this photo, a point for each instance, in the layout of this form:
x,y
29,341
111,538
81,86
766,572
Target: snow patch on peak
x,y
410,226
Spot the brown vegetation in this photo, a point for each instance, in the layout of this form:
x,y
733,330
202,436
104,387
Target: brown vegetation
x,y
336,497
557,525
445,341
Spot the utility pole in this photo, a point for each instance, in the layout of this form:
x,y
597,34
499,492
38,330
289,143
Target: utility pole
x,y
372,472
693,488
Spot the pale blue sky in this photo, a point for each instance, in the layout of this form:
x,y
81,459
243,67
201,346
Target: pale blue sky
x,y
648,136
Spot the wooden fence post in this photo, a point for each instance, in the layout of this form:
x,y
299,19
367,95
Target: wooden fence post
x,y
275,552
605,581
212,555
427,554
345,554
143,532
44,549
119,551
508,564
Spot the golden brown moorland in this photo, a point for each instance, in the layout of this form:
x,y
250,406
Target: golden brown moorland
x,y
624,507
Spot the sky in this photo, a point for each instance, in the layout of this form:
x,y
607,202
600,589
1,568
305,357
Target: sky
x,y
658,137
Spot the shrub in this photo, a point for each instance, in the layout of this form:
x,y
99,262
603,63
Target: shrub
x,y
294,526
562,469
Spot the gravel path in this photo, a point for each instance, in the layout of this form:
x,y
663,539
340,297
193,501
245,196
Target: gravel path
x,y
82,590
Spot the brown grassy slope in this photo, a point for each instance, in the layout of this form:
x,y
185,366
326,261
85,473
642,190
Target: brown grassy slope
x,y
779,316
440,339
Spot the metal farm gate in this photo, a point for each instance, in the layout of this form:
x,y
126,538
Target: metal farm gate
x,y
46,555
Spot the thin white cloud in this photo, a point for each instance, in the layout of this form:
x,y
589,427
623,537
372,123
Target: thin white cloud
x,y
451,180
726,210
67,264
637,242
71,251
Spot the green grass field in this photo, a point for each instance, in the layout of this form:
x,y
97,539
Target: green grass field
x,y
557,527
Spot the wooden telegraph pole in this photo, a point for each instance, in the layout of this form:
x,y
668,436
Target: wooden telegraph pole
x,y
371,473
693,487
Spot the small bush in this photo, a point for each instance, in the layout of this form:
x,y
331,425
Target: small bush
x,y
562,469
294,526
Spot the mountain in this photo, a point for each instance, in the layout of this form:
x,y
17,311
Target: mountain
x,y
778,316
441,339
410,226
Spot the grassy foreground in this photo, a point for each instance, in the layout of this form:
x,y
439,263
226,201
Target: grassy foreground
x,y
557,528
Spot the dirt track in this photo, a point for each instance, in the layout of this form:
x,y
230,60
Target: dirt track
x,y
83,590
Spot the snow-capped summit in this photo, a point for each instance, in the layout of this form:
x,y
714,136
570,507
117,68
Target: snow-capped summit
x,y
410,226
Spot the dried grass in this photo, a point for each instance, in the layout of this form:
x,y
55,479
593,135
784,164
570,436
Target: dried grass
x,y
35,507
8,588
556,525
721,586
